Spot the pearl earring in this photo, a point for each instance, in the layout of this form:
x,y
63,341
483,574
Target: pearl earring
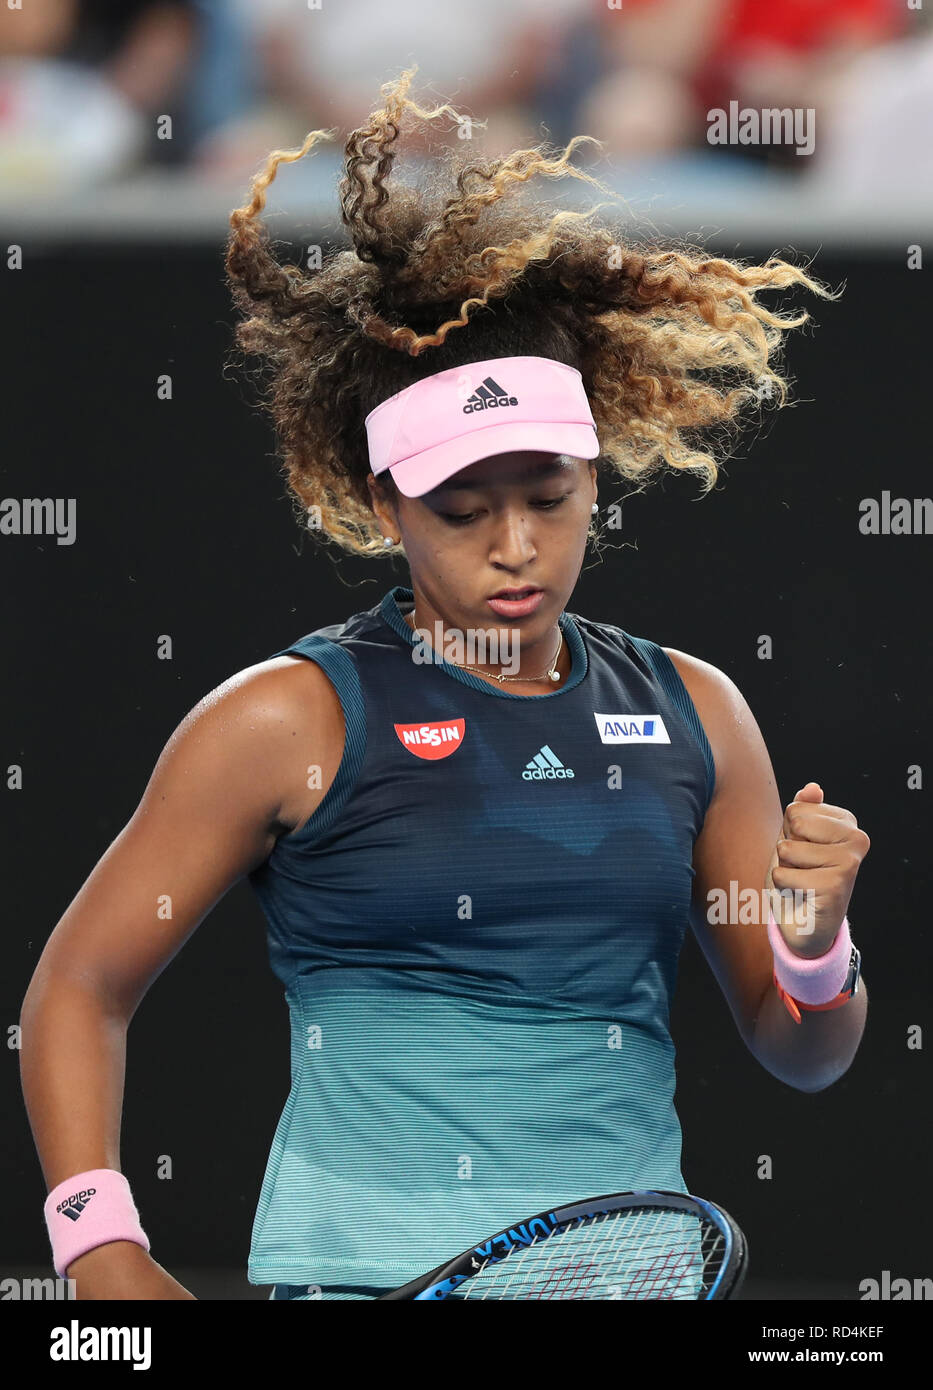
x,y
595,507
387,540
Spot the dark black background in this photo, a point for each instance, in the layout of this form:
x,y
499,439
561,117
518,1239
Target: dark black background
x,y
184,529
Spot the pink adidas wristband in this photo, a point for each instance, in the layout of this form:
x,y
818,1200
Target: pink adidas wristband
x,y
815,980
90,1209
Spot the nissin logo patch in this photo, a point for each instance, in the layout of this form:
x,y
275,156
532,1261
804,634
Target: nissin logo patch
x,y
631,728
436,740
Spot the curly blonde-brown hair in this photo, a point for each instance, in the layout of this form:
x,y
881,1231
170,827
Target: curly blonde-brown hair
x,y
670,342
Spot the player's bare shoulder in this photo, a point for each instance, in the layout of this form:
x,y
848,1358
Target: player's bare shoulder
x,y
700,677
313,734
282,723
304,728
719,703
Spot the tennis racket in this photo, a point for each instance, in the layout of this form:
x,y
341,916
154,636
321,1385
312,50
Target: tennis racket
x,y
628,1245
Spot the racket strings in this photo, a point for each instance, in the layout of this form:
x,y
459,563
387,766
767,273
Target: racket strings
x,y
633,1253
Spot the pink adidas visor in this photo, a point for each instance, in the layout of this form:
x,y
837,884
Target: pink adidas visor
x,y
452,419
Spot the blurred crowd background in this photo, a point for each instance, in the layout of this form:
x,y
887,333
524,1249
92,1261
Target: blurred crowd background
x,y
83,83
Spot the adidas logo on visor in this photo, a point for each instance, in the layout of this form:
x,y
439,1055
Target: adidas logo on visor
x,y
488,396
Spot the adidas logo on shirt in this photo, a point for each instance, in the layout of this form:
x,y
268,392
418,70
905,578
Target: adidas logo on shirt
x,y
631,728
545,766
488,396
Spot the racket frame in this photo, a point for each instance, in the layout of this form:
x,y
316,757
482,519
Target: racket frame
x,y
446,1278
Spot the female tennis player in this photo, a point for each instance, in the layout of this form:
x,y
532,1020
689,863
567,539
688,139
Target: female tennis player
x,y
479,824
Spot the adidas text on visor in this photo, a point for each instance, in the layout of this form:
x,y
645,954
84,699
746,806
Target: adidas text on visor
x,y
456,417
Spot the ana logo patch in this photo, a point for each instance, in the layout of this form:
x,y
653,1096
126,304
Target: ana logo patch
x,y
631,728
437,740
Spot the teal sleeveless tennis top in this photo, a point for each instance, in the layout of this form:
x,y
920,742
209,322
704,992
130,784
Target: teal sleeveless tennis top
x,y
478,933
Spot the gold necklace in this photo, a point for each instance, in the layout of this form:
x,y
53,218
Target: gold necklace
x,y
552,673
